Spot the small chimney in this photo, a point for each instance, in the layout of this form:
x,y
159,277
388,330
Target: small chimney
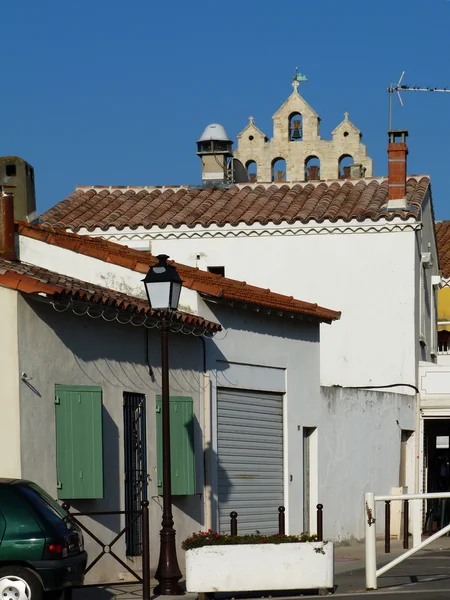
x,y
7,243
397,153
346,174
357,171
312,173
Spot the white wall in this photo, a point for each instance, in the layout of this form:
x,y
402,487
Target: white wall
x,y
10,457
61,348
359,451
374,344
92,270
367,276
426,243
358,431
434,384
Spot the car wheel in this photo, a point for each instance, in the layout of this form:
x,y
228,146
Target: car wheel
x,y
17,583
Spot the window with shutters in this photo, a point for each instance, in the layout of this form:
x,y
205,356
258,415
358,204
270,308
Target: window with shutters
x,y
181,445
79,442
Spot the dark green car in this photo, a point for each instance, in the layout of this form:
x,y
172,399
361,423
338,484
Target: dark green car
x,y
41,547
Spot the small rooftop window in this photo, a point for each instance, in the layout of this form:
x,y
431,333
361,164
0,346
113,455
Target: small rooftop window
x,y
10,170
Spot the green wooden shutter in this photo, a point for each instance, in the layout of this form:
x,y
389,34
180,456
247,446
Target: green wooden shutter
x,y
79,442
181,445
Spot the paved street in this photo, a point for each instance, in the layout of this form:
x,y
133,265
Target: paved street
x,y
426,575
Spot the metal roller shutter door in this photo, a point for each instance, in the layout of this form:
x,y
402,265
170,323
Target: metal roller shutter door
x,y
250,459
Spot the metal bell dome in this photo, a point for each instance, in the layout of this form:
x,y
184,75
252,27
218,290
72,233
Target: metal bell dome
x,y
214,132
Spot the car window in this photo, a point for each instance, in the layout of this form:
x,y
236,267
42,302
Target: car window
x,y
44,503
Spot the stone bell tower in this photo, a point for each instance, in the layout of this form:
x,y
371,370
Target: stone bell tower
x,y
297,151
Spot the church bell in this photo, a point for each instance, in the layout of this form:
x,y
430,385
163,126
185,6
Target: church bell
x,y
296,129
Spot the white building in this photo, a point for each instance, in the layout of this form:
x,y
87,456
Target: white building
x,y
363,244
435,395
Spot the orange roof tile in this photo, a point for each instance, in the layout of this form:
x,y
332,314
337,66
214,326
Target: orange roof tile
x,y
208,284
31,279
318,201
443,245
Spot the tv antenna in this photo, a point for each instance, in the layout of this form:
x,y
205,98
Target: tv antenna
x,y
402,87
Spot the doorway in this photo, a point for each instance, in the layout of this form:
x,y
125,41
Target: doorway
x,y
436,459
310,482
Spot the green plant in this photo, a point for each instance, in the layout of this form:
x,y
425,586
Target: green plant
x,y
212,538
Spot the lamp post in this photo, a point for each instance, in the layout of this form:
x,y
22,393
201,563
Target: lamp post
x,y
163,286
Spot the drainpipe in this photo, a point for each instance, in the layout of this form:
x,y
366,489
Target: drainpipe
x,y
207,449
207,443
417,514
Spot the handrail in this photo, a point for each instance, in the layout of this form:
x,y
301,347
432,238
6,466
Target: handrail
x,y
412,496
371,537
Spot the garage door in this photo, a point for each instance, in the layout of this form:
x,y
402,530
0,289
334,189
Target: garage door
x,y
250,459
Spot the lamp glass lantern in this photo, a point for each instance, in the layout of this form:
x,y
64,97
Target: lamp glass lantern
x,y
163,285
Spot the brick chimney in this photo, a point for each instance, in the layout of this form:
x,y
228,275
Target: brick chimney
x,y
397,153
7,243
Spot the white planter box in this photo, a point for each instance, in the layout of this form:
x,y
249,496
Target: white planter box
x,y
246,568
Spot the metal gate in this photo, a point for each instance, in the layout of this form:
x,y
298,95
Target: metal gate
x,y
250,459
135,447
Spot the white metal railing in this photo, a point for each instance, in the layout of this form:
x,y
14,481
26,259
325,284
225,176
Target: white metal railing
x,y
372,573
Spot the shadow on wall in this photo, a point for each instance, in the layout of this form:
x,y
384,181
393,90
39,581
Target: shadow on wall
x,y
206,459
111,479
257,323
124,356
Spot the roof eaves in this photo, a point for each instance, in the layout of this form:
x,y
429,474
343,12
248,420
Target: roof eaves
x,y
30,285
193,278
327,316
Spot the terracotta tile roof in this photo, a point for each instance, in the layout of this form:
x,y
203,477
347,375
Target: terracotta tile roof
x,y
443,245
31,279
208,284
121,207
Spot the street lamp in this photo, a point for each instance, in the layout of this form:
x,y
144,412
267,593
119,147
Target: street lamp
x,y
163,286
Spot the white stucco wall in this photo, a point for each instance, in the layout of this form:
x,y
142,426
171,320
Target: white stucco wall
x,y
434,382
61,348
10,455
426,244
93,270
284,357
358,431
368,276
360,442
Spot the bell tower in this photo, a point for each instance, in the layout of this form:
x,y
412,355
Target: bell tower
x,y
297,151
215,149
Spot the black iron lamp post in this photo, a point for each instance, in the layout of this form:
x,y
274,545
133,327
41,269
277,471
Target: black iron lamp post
x,y
163,287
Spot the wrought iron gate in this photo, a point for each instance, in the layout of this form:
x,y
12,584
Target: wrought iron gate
x,y
135,446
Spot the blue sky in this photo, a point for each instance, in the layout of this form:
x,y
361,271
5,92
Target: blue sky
x,y
102,92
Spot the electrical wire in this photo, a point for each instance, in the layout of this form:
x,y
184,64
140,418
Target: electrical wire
x,y
379,387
